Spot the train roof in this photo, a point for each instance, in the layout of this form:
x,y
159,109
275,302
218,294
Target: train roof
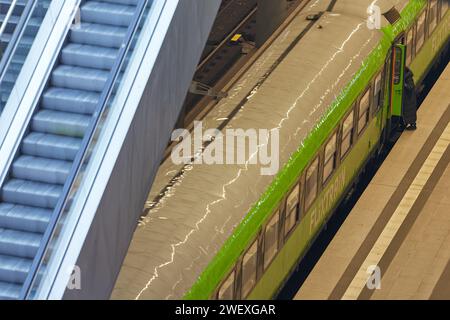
x,y
186,228
359,8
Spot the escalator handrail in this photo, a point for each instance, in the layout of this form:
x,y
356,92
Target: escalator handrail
x,y
79,159
7,17
16,36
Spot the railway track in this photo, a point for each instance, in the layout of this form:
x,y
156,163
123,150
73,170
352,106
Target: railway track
x,y
224,64
221,53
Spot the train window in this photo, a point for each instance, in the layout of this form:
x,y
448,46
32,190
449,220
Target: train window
x,y
249,269
409,46
347,134
271,239
364,105
291,210
227,288
444,7
420,36
397,65
432,16
330,158
377,93
312,175
388,73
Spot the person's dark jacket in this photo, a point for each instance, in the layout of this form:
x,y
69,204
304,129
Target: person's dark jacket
x,y
409,99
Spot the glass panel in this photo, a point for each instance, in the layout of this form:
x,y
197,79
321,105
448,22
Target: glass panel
x,y
348,124
271,239
291,210
377,93
330,158
226,290
433,16
330,148
346,144
15,46
409,46
328,170
249,270
398,65
311,183
363,111
347,134
444,7
420,37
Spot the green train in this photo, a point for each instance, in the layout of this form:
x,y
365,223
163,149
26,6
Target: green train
x,y
331,85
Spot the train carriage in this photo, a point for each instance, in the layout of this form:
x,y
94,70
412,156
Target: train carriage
x,y
228,232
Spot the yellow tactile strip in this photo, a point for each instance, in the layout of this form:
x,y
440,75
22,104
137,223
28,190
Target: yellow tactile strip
x,y
405,205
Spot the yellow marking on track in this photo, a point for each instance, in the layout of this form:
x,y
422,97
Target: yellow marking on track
x,y
236,37
379,249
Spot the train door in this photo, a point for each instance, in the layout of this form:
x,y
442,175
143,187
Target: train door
x,y
397,62
397,81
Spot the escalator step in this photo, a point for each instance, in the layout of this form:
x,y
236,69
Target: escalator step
x,y
14,269
41,169
51,146
98,35
79,78
84,55
107,13
76,101
60,123
30,193
19,244
9,291
23,218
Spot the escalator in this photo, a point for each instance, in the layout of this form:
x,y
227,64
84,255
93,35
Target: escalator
x,y
15,42
83,132
46,155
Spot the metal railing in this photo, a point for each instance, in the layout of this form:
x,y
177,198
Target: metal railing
x,y
7,17
17,34
84,152
5,59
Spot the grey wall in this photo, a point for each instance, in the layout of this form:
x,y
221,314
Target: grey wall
x,y
111,231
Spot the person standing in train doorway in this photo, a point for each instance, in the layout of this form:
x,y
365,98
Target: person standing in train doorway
x,y
409,101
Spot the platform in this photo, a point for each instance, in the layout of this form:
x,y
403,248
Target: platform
x,y
401,223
